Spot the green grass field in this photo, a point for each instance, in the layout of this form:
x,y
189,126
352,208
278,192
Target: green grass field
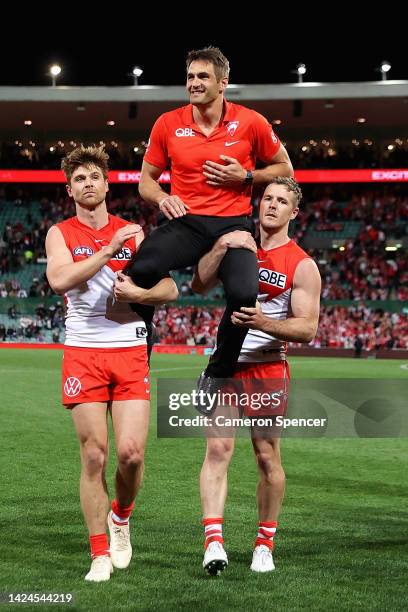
x,y
342,538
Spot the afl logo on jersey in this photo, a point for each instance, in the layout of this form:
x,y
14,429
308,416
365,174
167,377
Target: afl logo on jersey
x,y
124,254
83,250
276,279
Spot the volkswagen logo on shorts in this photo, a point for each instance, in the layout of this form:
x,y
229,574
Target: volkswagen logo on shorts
x,y
72,386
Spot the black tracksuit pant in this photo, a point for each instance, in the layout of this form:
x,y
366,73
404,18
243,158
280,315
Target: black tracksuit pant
x,y
180,243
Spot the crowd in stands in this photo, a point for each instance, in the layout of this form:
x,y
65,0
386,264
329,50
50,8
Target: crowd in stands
x,y
187,325
339,326
363,270
46,324
315,154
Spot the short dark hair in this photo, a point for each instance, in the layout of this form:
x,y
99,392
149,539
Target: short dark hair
x,y
85,156
290,184
214,56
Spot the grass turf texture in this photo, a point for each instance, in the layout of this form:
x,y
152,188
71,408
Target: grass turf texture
x,y
342,537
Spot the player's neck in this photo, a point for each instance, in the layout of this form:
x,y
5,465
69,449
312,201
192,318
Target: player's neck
x,y
96,218
271,239
209,115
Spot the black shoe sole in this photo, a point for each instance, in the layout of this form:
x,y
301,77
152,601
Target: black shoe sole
x,y
215,567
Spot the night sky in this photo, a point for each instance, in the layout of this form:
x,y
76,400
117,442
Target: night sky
x,y
101,50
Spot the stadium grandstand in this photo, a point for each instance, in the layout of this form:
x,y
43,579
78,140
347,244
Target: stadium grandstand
x,y
349,147
341,540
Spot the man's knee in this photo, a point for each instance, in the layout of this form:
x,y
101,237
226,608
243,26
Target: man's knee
x,y
219,451
130,454
144,272
94,456
242,294
270,467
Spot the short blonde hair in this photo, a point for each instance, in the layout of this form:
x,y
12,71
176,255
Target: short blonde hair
x,y
291,185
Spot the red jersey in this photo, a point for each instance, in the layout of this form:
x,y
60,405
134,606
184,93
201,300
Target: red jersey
x,y
176,140
94,319
277,268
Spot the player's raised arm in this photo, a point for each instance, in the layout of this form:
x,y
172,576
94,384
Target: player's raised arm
x,y
64,274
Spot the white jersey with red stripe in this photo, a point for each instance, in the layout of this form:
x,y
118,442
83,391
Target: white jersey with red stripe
x,y
94,319
276,271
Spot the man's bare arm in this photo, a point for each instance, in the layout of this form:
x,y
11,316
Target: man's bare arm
x,y
151,192
205,275
305,306
64,274
231,173
125,290
279,166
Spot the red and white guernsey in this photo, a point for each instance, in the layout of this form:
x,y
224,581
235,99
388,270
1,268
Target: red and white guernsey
x,y
276,271
94,319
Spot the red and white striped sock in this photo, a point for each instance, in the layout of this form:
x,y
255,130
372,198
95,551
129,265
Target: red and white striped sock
x,y
266,533
213,530
121,514
99,545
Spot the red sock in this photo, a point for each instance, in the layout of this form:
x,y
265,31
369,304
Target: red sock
x,y
266,533
121,514
99,545
213,530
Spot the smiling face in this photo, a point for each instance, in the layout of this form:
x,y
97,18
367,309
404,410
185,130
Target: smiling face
x,y
277,208
88,186
202,85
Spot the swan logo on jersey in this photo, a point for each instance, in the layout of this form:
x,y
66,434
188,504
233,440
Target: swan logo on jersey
x,y
124,254
83,250
232,127
270,277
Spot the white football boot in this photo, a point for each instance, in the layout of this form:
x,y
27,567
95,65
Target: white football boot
x,y
120,546
262,560
215,559
101,569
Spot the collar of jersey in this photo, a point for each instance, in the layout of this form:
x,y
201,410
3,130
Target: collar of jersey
x,y
187,115
101,229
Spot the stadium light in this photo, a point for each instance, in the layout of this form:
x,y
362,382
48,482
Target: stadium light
x,y
300,71
384,69
55,70
393,245
136,73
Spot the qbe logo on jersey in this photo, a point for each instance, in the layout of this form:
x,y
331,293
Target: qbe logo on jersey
x,y
184,132
270,277
124,254
72,386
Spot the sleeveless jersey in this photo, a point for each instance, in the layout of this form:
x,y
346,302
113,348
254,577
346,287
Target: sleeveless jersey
x,y
93,318
276,271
